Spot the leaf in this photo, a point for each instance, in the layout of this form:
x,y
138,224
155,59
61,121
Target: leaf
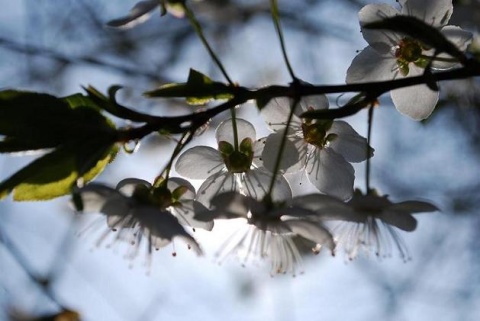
x,y
45,121
81,142
54,174
198,90
80,100
418,29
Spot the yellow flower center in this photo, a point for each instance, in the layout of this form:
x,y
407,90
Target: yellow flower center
x,y
409,51
315,133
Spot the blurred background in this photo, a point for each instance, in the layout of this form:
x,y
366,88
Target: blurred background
x,y
49,258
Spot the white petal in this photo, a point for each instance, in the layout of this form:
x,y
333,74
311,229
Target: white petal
x,y
175,182
436,13
369,65
258,146
312,231
185,213
199,162
317,102
402,220
162,225
325,207
225,131
349,143
331,173
380,40
256,183
127,186
460,38
417,102
414,207
294,152
230,205
119,212
94,197
276,114
216,184
138,14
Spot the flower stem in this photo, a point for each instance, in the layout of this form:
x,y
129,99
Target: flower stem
x,y
234,128
282,146
198,29
369,137
278,29
184,140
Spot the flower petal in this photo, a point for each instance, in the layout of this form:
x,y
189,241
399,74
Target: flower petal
x,y
256,183
276,114
230,205
381,40
176,182
436,13
317,102
185,213
349,143
225,131
369,65
460,38
258,146
312,231
324,207
162,225
293,157
331,173
127,186
95,197
216,184
402,220
199,162
414,207
417,102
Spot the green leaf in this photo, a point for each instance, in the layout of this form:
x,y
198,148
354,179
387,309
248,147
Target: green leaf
x,y
198,90
54,174
14,145
80,140
418,29
44,121
80,100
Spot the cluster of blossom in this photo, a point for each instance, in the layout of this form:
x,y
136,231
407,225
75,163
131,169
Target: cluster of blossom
x,y
244,177
239,182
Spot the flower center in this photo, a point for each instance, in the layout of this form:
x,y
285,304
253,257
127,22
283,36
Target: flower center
x,y
237,161
409,51
315,133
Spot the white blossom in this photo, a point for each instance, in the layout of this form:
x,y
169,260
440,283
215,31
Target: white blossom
x,y
226,169
271,228
391,55
369,222
138,213
323,148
